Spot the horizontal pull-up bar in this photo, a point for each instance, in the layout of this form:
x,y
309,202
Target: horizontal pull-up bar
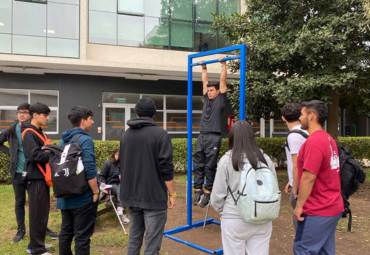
x,y
216,60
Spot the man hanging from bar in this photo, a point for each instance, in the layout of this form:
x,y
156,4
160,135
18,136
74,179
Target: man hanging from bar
x,y
208,143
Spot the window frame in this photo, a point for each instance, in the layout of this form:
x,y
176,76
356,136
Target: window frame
x,y
52,108
194,21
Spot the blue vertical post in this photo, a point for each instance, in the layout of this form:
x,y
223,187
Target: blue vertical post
x,y
243,55
190,138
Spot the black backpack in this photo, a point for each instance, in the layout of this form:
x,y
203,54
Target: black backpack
x,y
351,175
67,171
286,144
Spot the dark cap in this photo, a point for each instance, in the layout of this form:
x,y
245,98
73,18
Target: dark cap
x,y
145,107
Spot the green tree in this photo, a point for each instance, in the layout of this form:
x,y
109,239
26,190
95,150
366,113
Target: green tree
x,y
302,50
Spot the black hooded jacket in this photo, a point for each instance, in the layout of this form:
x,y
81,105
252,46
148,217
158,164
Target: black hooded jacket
x,y
32,145
110,172
146,163
10,136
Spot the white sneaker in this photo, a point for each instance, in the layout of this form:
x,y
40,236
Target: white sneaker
x,y
46,253
124,219
120,211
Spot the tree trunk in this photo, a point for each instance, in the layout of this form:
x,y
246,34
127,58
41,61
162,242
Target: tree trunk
x,y
333,114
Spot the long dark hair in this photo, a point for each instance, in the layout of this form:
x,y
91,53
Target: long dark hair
x,y
242,143
112,158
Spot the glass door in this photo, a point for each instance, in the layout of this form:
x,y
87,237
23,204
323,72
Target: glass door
x,y
115,117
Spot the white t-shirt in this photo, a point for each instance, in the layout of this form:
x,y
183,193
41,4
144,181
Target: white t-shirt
x,y
295,142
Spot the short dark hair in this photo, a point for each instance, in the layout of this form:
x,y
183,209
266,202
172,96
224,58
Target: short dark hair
x,y
215,84
318,108
39,108
291,112
77,113
24,106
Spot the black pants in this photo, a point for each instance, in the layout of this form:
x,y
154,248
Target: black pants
x,y
39,206
19,187
78,223
205,158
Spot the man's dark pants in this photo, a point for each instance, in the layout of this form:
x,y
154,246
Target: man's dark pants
x,y
205,158
78,223
20,188
148,221
316,235
39,206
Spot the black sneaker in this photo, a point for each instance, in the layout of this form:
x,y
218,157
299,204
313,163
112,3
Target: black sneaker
x,y
205,200
198,197
19,236
50,233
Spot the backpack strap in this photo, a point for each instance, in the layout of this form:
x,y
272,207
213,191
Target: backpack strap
x,y
231,193
295,131
286,144
43,138
348,211
46,141
77,137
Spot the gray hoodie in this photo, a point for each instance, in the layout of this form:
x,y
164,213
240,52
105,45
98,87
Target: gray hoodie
x,y
221,199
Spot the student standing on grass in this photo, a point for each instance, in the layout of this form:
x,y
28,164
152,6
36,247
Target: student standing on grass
x,y
320,203
146,178
208,143
79,212
290,115
38,191
239,236
13,136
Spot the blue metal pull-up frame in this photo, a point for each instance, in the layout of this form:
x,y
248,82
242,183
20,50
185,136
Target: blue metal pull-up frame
x,y
243,54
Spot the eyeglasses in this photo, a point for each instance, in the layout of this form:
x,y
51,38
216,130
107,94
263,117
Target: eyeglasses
x,y
20,112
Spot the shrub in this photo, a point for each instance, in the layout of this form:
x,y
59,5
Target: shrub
x,y
359,147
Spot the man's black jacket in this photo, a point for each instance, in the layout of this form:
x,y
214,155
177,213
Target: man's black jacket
x,y
146,164
9,135
32,145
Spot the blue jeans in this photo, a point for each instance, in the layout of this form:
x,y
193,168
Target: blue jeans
x,y
316,235
150,221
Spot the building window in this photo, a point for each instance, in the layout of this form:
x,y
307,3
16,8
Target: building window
x,y
162,24
47,29
11,98
171,112
34,1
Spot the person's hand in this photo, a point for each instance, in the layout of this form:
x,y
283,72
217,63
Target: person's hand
x,y
298,213
172,203
95,197
257,133
220,59
102,185
119,176
288,188
201,62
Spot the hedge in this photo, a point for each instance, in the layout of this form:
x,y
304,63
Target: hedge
x,y
359,147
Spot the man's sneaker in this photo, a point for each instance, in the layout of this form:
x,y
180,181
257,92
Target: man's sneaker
x,y
47,247
50,233
124,219
205,200
19,236
198,197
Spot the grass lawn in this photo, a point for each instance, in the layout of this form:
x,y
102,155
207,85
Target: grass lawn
x,y
110,239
